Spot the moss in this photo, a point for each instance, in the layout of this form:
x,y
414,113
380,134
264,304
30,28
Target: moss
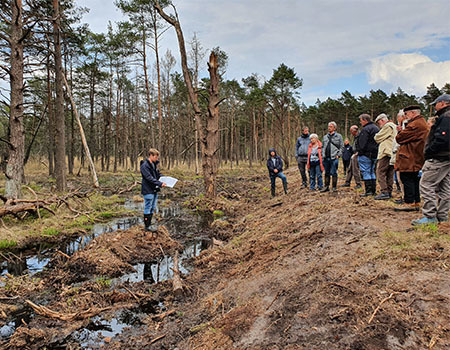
x,y
218,213
50,231
7,243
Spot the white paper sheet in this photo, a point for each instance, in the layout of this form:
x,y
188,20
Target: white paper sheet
x,y
168,180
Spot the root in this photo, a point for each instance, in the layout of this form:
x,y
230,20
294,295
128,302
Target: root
x,y
46,312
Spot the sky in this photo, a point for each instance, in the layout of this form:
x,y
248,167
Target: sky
x,y
333,45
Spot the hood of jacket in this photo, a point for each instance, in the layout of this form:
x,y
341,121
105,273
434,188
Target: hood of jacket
x,y
272,150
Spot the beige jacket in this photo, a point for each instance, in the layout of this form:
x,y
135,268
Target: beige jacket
x,y
385,138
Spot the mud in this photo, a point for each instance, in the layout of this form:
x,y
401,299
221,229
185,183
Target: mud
x,y
302,271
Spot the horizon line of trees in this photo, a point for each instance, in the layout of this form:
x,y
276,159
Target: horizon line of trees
x,y
128,105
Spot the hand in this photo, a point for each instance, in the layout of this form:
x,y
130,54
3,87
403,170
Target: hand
x,y
399,128
275,171
163,184
337,157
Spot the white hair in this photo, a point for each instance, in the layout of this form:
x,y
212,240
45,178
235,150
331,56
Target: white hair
x,y
333,123
314,136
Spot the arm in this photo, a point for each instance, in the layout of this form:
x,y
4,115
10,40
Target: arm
x,y
342,146
409,134
383,134
297,146
441,139
362,141
147,175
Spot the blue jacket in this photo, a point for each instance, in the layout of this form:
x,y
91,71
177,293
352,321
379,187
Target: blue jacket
x,y
278,163
301,147
150,177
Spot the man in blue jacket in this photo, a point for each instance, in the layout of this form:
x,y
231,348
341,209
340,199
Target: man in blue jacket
x,y
150,185
301,154
275,167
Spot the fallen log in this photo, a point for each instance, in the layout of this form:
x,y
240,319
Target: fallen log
x,y
45,311
176,281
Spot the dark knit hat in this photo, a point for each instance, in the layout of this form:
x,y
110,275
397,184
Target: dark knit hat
x,y
411,108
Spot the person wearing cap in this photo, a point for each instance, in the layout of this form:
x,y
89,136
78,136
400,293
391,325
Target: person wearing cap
x,y
385,171
353,170
435,181
367,154
410,156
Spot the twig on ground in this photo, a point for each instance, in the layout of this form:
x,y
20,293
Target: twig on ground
x,y
393,294
131,293
157,338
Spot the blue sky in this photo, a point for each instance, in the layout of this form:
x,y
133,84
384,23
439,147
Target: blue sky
x,y
334,45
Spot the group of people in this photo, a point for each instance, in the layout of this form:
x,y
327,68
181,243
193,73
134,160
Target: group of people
x,y
414,153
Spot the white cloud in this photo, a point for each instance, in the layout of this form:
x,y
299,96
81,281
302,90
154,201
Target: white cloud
x,y
412,72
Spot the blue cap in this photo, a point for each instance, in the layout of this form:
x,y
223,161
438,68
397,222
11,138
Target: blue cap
x,y
442,98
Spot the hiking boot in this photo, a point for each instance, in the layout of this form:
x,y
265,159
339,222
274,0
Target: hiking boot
x,y
382,196
368,187
327,184
325,189
408,207
285,187
399,201
424,221
345,185
358,186
442,219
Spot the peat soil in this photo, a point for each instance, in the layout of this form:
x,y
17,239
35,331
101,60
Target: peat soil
x,y
300,271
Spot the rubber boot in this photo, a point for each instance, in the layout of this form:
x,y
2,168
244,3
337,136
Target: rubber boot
x,y
374,187
327,184
334,183
272,190
285,187
368,187
147,221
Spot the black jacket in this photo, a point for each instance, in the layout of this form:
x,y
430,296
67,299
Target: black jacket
x,y
348,152
438,143
150,177
278,163
366,142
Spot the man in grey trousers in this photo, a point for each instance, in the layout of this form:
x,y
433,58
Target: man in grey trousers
x,y
435,182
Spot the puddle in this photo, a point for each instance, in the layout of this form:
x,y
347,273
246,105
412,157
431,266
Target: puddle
x,y
176,219
99,330
155,272
15,320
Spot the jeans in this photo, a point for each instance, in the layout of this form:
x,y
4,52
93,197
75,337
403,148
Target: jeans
x,y
367,167
315,171
150,203
331,166
274,176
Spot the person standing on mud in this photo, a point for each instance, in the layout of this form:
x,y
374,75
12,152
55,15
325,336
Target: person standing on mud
x,y
353,169
301,154
150,185
385,171
367,154
333,145
347,155
410,156
315,163
435,181
275,167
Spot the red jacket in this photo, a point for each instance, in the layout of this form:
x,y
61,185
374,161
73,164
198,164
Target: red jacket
x,y
310,147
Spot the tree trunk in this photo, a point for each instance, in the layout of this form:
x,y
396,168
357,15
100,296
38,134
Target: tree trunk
x,y
83,137
210,164
147,87
60,159
14,168
155,28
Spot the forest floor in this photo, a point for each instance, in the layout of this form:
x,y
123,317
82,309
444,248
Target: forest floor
x,y
299,271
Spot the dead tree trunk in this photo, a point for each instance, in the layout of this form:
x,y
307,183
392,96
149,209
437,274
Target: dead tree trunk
x,y
209,151
60,159
83,137
14,168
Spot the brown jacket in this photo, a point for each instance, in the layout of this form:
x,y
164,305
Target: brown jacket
x,y
410,155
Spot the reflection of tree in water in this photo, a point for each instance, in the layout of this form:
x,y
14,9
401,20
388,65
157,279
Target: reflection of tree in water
x,y
148,275
16,267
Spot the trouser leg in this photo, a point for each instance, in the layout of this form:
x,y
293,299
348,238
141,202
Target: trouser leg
x,y
302,168
409,186
435,189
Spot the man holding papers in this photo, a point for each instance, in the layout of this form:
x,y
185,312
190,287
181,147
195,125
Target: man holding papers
x,y
151,185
